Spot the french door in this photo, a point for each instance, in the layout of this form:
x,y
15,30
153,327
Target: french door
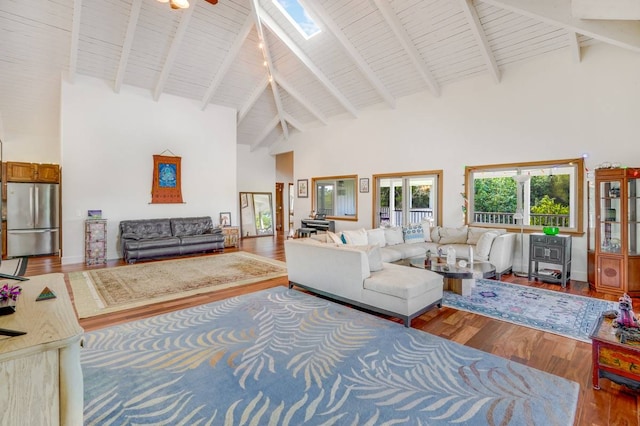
x,y
407,198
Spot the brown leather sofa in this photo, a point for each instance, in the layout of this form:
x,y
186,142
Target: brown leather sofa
x,y
157,238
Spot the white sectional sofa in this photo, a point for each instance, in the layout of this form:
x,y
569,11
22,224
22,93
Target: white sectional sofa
x,y
357,275
488,244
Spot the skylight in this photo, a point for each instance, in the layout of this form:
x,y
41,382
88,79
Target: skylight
x,y
298,17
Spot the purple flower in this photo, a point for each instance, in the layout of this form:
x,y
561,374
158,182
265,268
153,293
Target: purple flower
x,y
9,292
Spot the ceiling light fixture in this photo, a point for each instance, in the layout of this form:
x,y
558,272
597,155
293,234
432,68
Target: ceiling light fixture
x,y
176,4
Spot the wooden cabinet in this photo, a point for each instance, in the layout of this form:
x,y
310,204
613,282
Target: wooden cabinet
x,y
95,241
231,236
553,249
616,252
32,172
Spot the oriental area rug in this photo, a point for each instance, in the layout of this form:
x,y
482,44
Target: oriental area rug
x,y
107,290
555,312
281,356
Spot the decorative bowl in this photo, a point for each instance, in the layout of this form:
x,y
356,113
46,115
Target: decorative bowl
x,y
551,230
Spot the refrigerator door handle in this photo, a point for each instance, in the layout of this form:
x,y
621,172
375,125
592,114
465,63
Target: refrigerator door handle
x,y
37,201
30,231
31,202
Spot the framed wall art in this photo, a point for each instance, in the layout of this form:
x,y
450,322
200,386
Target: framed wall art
x,y
225,218
364,184
167,184
303,188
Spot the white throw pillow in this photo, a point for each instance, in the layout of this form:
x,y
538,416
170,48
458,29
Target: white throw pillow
x,y
376,237
393,236
475,233
358,237
373,254
332,237
426,230
453,235
483,248
435,234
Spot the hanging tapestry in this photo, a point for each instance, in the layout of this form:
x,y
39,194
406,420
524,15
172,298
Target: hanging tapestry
x,y
166,180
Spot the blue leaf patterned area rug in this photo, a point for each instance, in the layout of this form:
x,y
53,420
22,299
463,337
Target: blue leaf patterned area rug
x,y
283,357
555,312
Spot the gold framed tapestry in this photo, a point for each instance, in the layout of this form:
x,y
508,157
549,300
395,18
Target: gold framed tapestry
x,y
167,183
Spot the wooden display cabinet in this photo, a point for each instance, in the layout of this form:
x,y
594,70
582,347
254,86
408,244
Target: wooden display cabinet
x,y
616,251
231,236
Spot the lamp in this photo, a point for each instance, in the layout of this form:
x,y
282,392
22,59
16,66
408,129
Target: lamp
x,y
519,215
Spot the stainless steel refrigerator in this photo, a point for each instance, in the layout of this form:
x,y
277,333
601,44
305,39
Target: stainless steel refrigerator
x,y
33,219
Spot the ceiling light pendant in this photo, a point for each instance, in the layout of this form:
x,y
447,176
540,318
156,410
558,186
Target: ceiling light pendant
x,y
179,4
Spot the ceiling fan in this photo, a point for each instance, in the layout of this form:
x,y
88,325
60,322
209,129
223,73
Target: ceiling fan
x,y
183,4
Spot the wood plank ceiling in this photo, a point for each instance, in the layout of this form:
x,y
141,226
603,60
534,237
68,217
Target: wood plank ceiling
x,y
368,52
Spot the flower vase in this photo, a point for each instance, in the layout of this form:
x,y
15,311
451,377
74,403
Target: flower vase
x,y
7,307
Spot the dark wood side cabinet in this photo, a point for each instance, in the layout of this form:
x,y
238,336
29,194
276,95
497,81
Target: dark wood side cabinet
x,y
616,251
553,249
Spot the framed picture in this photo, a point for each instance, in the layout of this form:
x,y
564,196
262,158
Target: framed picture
x,y
225,218
364,184
303,188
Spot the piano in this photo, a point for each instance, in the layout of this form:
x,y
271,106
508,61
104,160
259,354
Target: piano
x,y
319,224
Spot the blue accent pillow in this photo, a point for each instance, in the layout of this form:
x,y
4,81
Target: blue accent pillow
x,y
413,233
344,240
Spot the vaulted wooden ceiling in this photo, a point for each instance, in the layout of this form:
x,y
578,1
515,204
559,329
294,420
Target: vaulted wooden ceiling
x,y
368,52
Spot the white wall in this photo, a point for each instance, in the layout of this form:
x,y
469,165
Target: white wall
x,y
552,108
107,145
256,173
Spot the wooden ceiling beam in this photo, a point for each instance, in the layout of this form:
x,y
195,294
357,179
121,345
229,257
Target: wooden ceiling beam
x,y
230,57
401,34
265,132
75,39
320,14
574,46
134,14
624,34
302,100
307,62
255,95
270,67
470,13
173,50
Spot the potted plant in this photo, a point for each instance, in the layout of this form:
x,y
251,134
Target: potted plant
x,y
8,296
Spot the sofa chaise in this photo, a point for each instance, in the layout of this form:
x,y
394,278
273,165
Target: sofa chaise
x,y
156,238
357,276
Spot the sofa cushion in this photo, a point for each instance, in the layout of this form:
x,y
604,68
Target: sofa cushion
x,y
426,230
191,226
376,237
146,228
474,234
410,250
357,237
483,248
435,234
373,255
402,281
334,238
393,236
453,235
413,233
147,243
390,255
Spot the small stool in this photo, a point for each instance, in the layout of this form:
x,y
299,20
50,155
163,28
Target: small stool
x,y
306,232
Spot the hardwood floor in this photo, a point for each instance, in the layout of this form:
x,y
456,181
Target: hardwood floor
x,y
568,358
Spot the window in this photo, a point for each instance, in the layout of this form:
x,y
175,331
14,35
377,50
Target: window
x,y
297,15
527,195
405,198
335,197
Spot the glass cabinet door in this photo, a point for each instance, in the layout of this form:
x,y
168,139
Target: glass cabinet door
x,y
610,217
591,215
633,191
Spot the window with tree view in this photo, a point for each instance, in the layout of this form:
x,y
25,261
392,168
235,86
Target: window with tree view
x,y
531,195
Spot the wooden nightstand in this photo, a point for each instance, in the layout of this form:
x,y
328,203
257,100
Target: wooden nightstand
x,y
231,236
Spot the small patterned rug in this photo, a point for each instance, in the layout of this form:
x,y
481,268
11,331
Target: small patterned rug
x,y
114,289
560,313
283,357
